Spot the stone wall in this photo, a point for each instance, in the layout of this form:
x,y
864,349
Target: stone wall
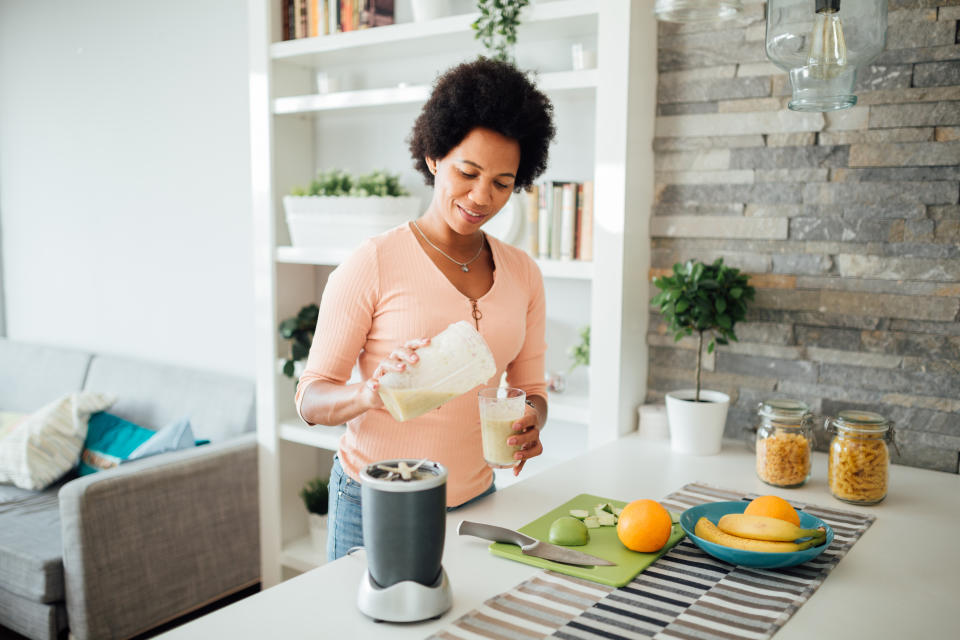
x,y
848,223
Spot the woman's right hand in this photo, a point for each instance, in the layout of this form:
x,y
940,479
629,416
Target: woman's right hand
x,y
398,360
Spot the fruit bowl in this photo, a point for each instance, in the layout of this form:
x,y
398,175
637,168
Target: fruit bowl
x,y
713,511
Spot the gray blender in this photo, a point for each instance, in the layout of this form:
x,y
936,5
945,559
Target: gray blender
x,y
404,505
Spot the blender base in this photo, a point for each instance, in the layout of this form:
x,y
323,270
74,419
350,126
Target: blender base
x,y
406,601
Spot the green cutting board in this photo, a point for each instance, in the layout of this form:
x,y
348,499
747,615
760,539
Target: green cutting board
x,y
603,543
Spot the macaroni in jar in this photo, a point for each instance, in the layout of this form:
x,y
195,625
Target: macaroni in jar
x,y
859,460
784,442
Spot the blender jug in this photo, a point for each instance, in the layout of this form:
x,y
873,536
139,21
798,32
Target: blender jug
x,y
456,360
404,505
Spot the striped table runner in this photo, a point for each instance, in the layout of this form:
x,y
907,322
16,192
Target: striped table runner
x,y
685,594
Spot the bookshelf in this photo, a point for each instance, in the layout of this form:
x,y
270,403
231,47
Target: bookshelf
x,y
384,76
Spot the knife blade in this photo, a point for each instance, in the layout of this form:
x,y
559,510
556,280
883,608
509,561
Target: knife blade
x,y
530,546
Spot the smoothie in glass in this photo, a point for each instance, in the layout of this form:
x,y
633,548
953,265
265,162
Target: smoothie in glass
x,y
499,409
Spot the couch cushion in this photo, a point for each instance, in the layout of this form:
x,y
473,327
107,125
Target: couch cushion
x,y
46,444
31,375
219,406
31,618
31,555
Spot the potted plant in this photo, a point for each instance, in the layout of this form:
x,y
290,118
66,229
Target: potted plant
x,y
496,28
299,331
315,494
338,211
703,299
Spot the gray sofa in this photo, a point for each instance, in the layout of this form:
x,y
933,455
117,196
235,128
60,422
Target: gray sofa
x,y
118,552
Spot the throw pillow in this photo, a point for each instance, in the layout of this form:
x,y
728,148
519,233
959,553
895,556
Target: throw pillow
x,y
110,440
173,437
39,449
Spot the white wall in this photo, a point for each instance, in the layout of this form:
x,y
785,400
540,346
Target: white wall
x,y
124,178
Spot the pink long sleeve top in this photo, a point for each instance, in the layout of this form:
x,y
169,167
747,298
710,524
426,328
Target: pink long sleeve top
x,y
388,292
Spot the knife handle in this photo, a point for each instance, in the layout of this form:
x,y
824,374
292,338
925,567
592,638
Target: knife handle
x,y
492,532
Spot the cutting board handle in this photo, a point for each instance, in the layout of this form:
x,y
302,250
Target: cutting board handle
x,y
494,533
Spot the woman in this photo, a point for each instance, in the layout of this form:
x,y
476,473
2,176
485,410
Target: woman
x,y
483,134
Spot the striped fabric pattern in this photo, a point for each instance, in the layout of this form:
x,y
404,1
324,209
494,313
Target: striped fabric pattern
x,y
686,594
46,444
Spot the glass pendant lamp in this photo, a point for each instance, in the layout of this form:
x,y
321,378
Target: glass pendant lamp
x,y
696,10
821,43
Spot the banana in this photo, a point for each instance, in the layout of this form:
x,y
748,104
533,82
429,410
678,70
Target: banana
x,y
709,532
764,528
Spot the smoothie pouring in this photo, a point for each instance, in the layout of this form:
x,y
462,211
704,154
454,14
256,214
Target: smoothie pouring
x,y
456,360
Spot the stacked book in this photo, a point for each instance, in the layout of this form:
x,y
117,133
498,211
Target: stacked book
x,y
312,18
559,220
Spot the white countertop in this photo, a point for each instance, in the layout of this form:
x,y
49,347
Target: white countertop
x,y
900,580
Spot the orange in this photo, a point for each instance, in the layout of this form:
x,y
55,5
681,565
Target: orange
x,y
774,507
644,526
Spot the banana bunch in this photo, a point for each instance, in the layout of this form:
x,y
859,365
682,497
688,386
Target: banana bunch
x,y
759,533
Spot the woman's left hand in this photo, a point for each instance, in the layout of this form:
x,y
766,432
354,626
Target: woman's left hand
x,y
527,436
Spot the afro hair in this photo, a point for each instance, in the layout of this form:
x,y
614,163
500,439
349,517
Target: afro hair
x,y
491,94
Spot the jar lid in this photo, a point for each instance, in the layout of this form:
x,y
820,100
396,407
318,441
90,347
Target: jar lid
x,y
783,408
861,421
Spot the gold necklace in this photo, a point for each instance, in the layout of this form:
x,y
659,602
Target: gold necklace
x,y
462,265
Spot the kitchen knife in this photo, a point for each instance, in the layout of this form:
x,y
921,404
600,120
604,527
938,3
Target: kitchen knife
x,y
530,546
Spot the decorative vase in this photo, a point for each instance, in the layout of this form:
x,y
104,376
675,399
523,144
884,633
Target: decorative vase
x,y
318,531
343,222
424,10
697,427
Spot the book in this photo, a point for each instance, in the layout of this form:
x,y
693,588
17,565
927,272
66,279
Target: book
x,y
313,18
556,219
568,220
543,220
585,223
286,14
376,13
531,221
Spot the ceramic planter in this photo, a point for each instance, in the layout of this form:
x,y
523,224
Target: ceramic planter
x,y
697,427
318,531
343,222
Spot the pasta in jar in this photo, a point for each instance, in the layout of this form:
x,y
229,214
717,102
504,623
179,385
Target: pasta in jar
x,y
859,460
784,440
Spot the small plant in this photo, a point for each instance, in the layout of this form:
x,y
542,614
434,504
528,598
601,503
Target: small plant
x,y
703,298
337,182
580,353
497,26
299,330
315,494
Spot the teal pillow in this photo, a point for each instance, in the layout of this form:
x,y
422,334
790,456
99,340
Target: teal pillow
x,y
110,440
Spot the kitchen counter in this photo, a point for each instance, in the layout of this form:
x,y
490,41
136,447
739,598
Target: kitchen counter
x,y
900,580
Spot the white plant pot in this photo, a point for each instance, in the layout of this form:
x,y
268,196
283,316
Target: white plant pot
x,y
697,427
318,531
424,10
342,223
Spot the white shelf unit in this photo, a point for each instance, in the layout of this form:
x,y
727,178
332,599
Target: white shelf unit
x,y
605,122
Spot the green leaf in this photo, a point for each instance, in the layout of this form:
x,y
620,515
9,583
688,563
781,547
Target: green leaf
x,y
721,305
724,321
710,347
288,368
682,305
736,292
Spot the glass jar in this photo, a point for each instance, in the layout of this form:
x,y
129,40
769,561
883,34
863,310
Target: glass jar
x,y
784,442
858,461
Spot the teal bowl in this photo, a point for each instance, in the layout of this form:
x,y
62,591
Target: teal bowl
x,y
713,511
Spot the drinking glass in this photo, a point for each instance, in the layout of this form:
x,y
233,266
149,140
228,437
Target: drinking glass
x,y
500,407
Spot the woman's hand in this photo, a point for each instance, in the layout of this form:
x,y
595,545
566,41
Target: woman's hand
x,y
527,436
398,360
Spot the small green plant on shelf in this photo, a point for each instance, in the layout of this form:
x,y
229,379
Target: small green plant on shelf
x,y
337,182
580,352
299,331
703,298
496,28
315,494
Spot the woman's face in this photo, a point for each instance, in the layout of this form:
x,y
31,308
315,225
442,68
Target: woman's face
x,y
475,179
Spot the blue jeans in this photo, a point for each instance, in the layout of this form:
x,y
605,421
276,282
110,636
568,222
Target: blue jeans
x,y
345,523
